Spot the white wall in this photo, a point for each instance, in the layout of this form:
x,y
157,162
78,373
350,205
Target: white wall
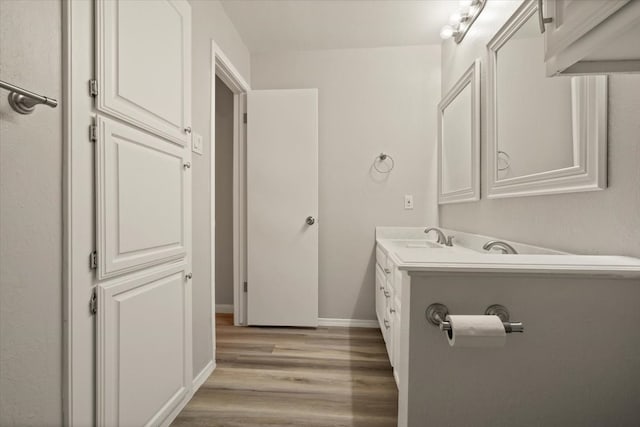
x,y
209,22
605,222
31,218
370,100
224,194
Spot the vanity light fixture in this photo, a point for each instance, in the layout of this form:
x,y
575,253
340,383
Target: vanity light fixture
x,y
461,21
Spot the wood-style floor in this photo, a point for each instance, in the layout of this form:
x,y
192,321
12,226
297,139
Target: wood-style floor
x,y
295,377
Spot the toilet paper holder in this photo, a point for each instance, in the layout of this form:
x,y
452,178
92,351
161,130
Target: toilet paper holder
x,y
437,313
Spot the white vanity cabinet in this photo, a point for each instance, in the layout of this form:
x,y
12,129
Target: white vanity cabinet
x,y
388,292
591,36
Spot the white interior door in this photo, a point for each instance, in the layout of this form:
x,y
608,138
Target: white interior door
x,y
282,207
143,211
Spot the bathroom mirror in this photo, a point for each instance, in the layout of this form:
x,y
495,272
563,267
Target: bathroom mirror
x,y
459,140
545,135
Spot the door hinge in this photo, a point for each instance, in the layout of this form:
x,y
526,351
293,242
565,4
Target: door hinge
x,y
93,133
93,87
244,118
93,302
245,286
93,260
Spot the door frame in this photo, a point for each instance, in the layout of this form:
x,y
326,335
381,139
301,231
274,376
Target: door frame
x,y
78,213
223,68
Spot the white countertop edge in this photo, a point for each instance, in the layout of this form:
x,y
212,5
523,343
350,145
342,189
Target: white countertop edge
x,y
572,270
623,267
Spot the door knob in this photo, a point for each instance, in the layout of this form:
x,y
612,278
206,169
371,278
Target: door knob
x,y
310,220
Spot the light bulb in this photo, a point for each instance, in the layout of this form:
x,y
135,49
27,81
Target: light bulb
x,y
465,5
455,18
446,32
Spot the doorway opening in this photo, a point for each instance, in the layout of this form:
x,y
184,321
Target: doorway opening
x,y
228,189
224,259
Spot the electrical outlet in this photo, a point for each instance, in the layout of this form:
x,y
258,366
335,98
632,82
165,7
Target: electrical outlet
x,y
197,144
408,201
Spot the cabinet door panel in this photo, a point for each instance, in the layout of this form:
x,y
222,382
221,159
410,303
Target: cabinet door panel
x,y
574,18
387,331
144,354
396,345
141,199
143,64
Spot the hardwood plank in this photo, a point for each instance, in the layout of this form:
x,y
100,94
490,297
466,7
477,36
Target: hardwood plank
x,y
320,377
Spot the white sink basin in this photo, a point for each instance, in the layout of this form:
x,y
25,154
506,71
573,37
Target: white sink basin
x,y
422,244
413,243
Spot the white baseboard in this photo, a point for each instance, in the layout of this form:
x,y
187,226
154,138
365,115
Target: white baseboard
x,y
195,385
203,375
224,308
348,323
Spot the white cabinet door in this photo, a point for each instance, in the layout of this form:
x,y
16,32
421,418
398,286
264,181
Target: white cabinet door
x,y
141,199
144,346
282,207
143,64
396,343
571,19
387,330
143,212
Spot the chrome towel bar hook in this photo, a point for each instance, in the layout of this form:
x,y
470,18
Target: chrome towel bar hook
x,y
24,101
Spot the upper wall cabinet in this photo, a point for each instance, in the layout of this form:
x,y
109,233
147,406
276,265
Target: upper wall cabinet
x,y
142,65
590,36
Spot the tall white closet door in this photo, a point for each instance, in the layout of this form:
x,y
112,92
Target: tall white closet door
x,y
143,211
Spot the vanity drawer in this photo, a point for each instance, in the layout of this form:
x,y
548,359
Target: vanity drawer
x,y
391,270
381,302
397,284
381,257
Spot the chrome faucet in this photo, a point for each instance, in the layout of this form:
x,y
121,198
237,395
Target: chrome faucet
x,y
503,246
443,239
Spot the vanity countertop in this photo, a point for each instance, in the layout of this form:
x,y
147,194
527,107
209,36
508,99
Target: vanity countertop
x,y
431,257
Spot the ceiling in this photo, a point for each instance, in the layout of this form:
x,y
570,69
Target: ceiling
x,y
282,25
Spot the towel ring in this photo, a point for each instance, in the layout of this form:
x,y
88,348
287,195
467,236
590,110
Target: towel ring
x,y
381,158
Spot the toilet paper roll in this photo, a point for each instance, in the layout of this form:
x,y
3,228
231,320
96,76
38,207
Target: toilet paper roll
x,y
476,331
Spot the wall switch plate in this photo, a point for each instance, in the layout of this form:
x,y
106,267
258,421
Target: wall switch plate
x,y
408,201
197,144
